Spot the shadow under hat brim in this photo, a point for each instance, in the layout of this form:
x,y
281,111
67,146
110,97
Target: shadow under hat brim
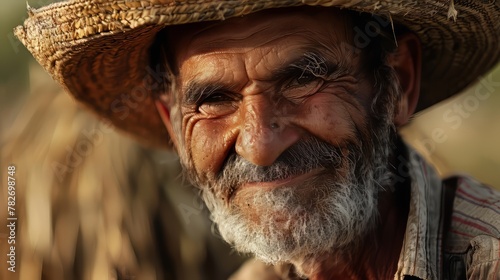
x,y
100,50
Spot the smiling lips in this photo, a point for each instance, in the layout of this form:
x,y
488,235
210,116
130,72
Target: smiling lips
x,y
291,180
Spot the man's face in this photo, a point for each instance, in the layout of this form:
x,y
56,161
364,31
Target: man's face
x,y
274,122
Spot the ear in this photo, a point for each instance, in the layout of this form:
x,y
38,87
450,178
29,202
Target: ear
x,y
406,61
165,116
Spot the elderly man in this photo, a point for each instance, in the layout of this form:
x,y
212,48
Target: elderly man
x,y
287,120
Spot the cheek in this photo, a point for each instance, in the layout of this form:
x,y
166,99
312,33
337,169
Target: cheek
x,y
332,119
210,143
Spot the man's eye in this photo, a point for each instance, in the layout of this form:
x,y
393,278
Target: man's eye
x,y
301,87
216,98
217,104
305,78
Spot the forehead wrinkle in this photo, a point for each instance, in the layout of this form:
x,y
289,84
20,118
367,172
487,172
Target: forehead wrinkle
x,y
236,30
215,65
237,35
329,46
259,67
254,79
326,40
219,41
307,42
244,45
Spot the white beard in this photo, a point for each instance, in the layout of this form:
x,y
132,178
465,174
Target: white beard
x,y
341,212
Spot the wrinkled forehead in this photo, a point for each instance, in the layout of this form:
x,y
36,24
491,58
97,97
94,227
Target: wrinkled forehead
x,y
319,24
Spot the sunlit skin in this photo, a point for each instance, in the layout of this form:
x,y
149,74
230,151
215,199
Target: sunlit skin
x,y
238,91
246,64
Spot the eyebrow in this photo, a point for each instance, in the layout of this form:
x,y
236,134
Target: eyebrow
x,y
196,91
309,62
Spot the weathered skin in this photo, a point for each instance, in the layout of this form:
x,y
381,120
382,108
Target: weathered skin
x,y
259,112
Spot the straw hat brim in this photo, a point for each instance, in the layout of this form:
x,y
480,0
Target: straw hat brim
x,y
99,50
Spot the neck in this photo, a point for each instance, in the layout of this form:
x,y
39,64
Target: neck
x,y
377,256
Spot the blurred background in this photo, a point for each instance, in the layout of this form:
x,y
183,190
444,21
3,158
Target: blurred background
x,y
95,205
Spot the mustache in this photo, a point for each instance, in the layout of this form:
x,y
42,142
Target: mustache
x,y
304,156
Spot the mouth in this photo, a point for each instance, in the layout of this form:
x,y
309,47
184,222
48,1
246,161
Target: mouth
x,y
292,180
298,164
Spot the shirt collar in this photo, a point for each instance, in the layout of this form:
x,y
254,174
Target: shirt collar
x,y
421,251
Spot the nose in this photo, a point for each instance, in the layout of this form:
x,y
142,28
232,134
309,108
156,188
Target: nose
x,y
265,131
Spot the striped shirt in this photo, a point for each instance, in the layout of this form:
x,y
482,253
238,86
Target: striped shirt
x,y
460,243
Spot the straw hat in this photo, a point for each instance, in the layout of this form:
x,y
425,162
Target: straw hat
x,y
99,49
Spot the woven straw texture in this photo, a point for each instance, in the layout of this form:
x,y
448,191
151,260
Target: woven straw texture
x,y
99,50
